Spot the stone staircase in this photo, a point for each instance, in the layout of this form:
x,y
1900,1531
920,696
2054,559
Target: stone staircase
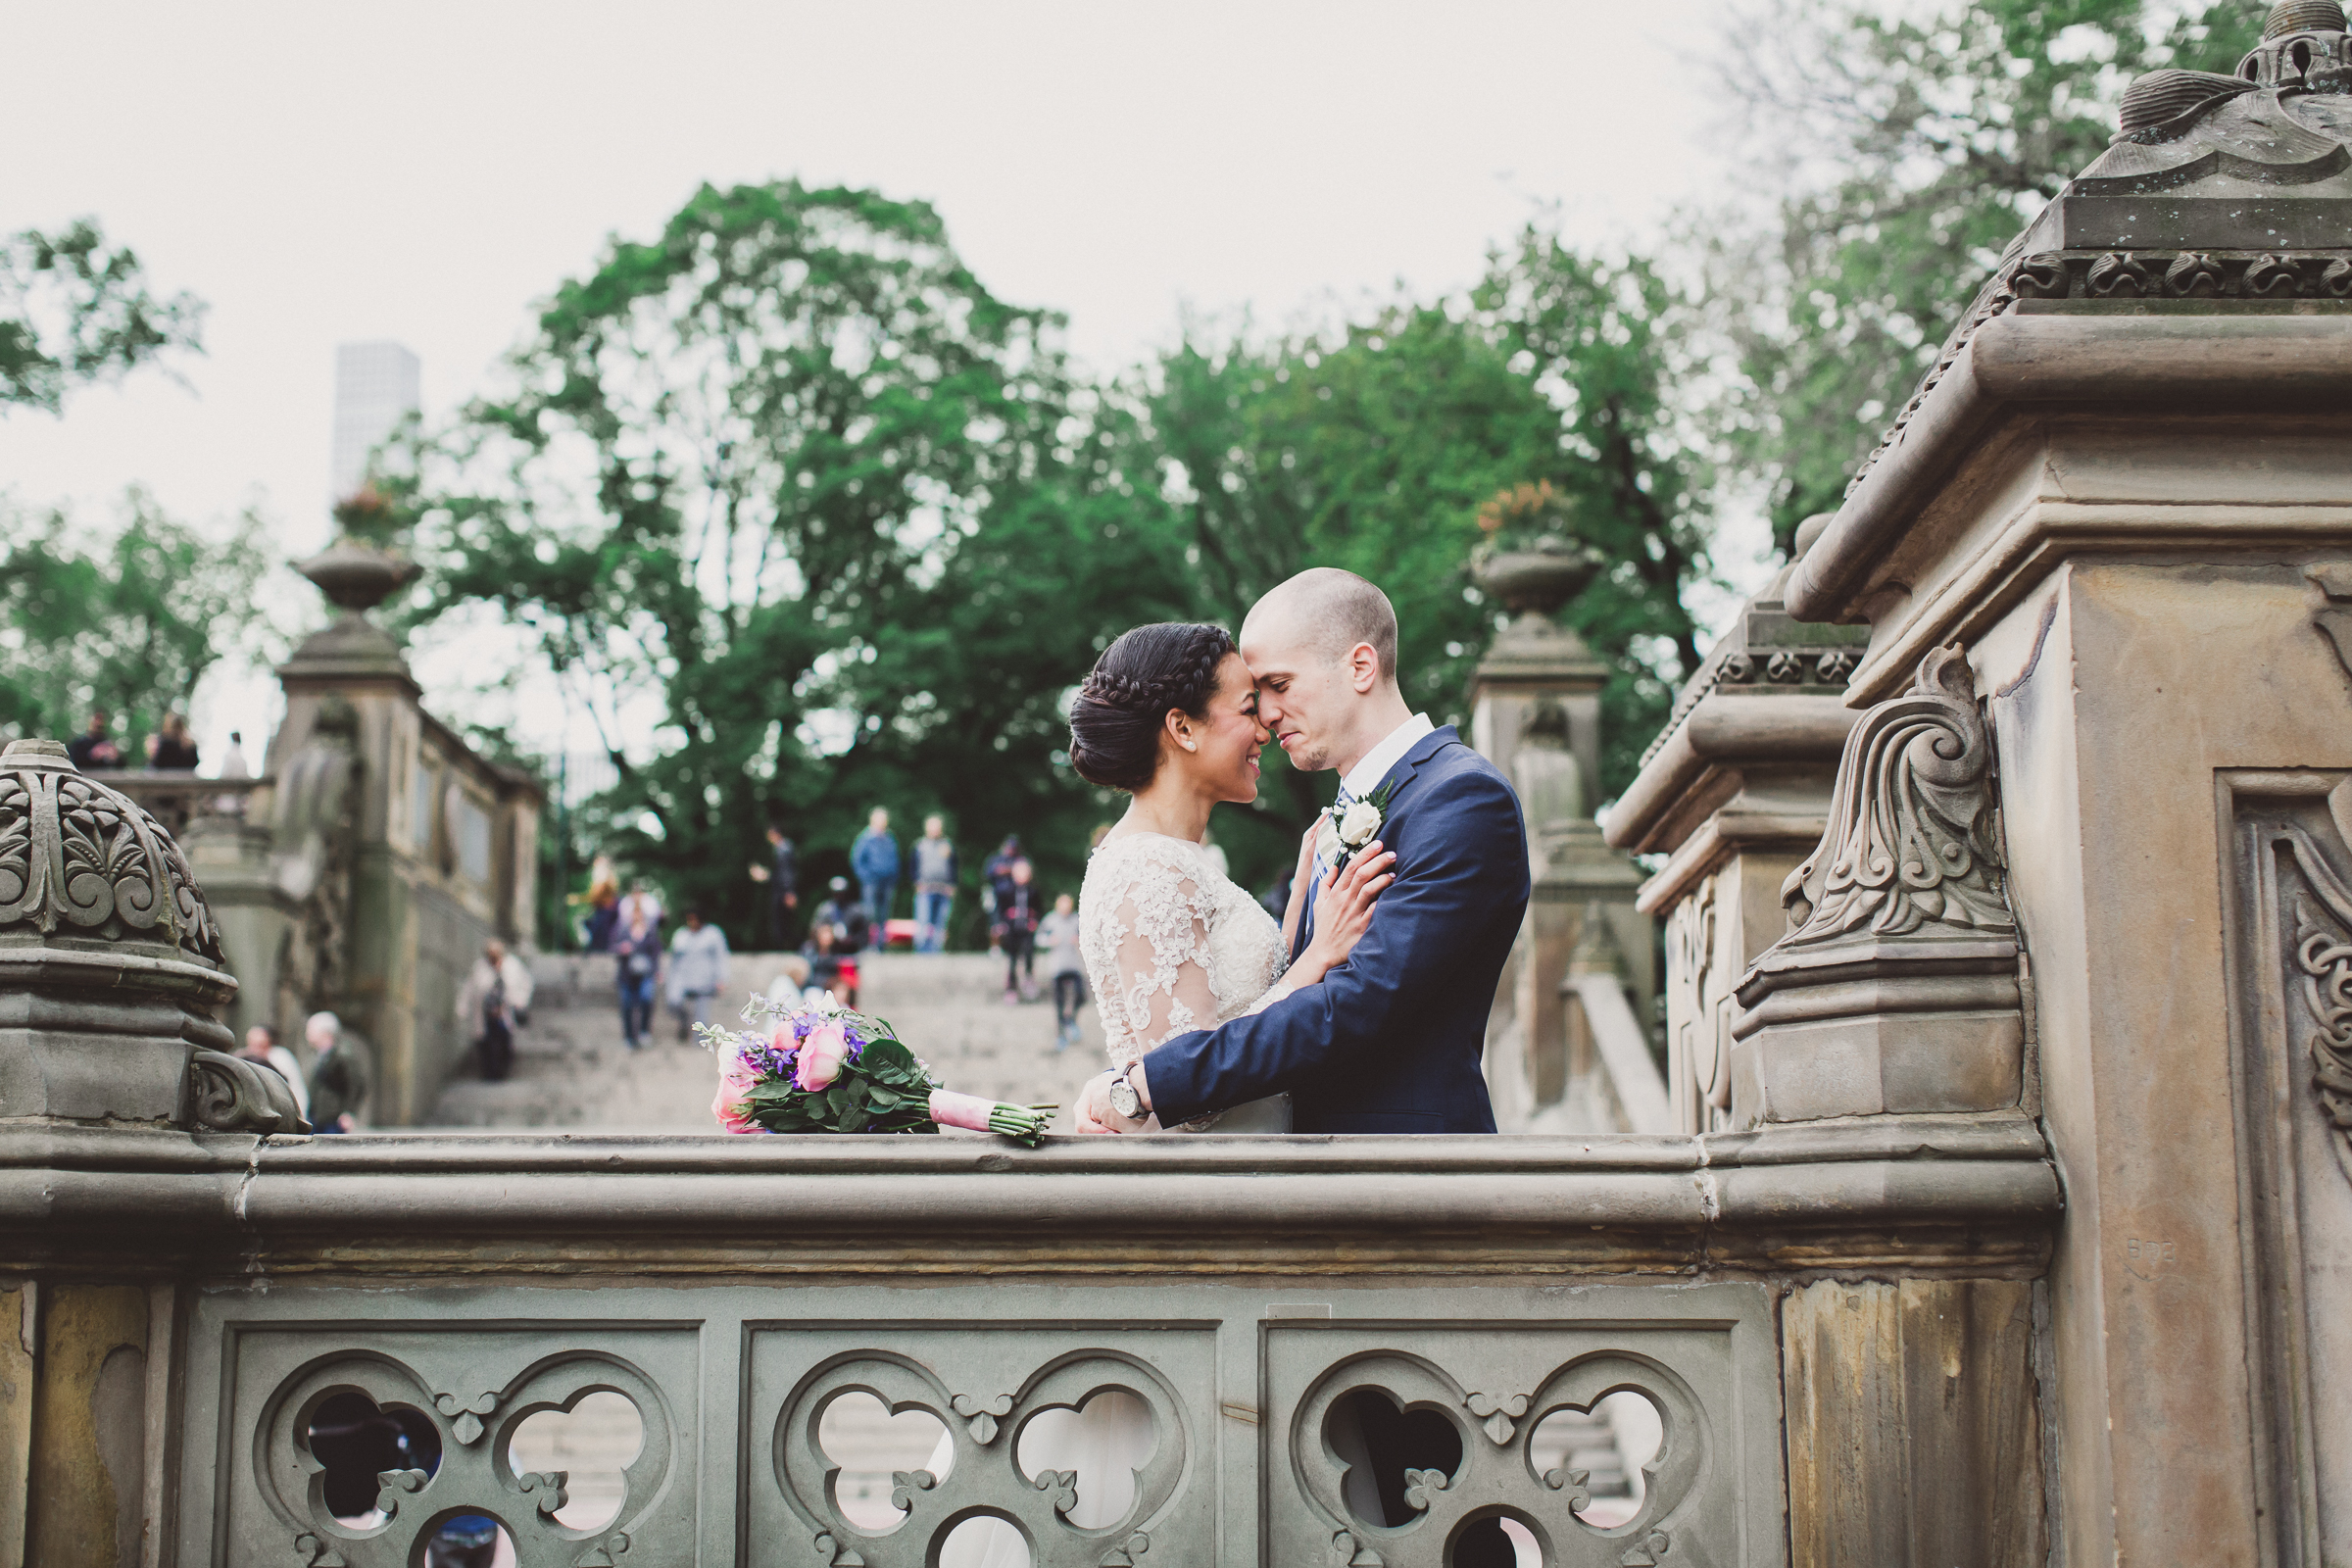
x,y
571,1069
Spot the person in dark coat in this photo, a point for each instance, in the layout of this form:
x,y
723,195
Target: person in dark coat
x,y
1015,930
93,750
783,877
340,1079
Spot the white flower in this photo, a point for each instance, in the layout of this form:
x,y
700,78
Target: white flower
x,y
1359,824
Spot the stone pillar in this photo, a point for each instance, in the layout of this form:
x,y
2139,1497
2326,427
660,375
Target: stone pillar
x,y
112,983
2123,492
1735,793
1535,713
404,851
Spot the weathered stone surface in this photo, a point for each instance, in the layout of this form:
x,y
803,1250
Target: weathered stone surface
x,y
1895,987
1735,792
111,971
1933,1193
1239,1376
1914,1431
18,1390
90,1429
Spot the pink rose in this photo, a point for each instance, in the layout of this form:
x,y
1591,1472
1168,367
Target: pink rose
x,y
732,1104
734,1115
821,1057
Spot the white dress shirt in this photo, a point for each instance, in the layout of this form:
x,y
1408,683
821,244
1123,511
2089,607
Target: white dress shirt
x,y
1366,776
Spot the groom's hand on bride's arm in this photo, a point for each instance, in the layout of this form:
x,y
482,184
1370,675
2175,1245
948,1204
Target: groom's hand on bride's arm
x,y
1094,1113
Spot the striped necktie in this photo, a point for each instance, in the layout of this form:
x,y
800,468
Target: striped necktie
x,y
1326,849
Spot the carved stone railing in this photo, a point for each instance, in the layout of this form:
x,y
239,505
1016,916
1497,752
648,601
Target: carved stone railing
x,y
1245,1290
176,798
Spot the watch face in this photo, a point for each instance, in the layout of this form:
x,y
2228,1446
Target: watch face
x,y
1122,1098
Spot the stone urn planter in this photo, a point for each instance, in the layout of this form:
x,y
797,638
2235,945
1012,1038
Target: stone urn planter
x,y
1536,581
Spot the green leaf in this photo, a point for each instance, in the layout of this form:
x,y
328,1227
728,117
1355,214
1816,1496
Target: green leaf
x,y
888,1060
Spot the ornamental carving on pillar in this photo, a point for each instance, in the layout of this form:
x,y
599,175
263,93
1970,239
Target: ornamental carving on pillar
x,y
1896,989
79,858
1911,841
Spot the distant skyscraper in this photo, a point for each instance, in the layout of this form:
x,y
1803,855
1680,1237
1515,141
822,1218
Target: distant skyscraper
x,y
376,388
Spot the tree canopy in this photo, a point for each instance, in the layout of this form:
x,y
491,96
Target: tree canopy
x,y
1908,149
74,310
128,619
794,476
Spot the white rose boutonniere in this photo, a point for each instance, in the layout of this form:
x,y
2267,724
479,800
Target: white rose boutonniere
x,y
1355,827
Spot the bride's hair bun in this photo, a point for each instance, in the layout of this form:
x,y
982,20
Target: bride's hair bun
x,y
1116,720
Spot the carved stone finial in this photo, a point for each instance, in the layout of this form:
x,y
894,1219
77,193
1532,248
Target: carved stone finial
x,y
81,858
1895,989
99,910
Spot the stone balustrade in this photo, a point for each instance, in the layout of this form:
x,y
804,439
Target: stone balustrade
x,y
734,1289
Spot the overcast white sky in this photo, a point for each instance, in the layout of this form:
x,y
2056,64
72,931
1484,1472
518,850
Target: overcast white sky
x,y
425,171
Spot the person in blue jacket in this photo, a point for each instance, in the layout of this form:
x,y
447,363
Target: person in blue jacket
x,y
874,857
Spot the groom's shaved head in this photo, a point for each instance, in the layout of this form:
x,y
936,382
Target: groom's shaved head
x,y
1331,611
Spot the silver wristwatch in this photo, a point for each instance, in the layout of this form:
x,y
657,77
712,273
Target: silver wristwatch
x,y
1123,1097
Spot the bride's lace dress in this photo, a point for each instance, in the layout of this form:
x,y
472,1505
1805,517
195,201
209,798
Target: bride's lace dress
x,y
1170,945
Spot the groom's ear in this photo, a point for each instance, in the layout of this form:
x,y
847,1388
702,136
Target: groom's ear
x,y
1363,668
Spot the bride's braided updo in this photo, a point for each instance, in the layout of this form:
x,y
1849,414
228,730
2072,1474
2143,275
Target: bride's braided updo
x,y
1116,722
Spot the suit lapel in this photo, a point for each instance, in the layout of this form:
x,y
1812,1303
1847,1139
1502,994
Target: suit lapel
x,y
1401,774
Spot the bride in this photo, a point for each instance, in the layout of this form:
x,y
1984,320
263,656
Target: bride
x,y
1170,717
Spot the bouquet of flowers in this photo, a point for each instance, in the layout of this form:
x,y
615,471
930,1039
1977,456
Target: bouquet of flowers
x,y
820,1068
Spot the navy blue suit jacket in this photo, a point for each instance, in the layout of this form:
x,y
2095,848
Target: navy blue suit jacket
x,y
1391,1041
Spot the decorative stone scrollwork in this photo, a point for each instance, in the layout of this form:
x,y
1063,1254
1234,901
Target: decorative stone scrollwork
x,y
230,1095
982,1415
77,856
2118,274
1123,1556
2326,964
394,1485
465,1415
1497,1414
2192,275
1910,836
1895,989
2039,277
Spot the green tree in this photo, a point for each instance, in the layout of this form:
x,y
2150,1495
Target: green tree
x,y
127,621
74,310
792,475
1946,134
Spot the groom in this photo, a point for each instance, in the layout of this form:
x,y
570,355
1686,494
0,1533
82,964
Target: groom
x,y
1390,1041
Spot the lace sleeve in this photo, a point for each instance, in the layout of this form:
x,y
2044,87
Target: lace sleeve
x,y
1162,954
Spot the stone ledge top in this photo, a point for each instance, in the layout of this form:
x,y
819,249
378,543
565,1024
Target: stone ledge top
x,y
2026,360
1920,1193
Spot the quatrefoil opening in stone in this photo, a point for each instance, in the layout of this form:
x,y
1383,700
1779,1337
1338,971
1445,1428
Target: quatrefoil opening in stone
x,y
1365,1422
360,1448
1101,1447
884,1458
1597,1456
574,1462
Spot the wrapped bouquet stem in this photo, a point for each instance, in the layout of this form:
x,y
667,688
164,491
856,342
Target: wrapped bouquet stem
x,y
814,1069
